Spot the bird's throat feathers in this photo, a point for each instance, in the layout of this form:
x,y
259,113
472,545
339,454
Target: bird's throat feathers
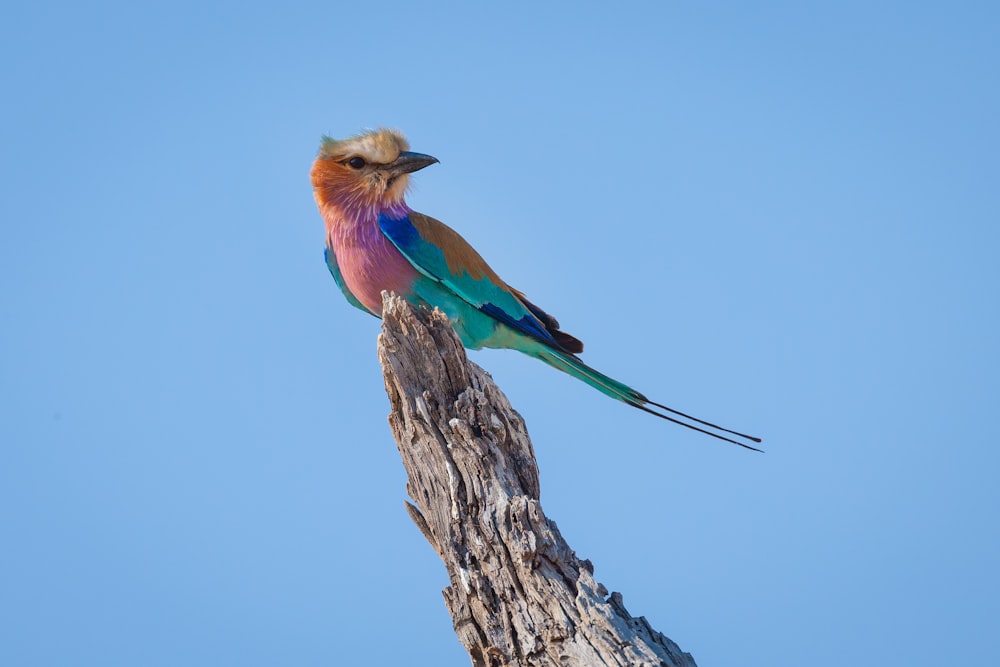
x,y
349,217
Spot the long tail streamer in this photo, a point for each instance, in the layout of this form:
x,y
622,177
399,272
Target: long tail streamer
x,y
572,365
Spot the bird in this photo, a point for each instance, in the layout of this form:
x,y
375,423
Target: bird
x,y
376,243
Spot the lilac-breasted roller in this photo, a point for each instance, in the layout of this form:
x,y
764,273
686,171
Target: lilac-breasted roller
x,y
375,242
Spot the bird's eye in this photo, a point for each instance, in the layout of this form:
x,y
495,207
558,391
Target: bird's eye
x,y
356,162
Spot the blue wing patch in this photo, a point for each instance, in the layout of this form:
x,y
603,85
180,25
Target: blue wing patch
x,y
527,324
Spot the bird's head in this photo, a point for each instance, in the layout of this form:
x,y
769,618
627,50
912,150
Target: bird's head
x,y
367,171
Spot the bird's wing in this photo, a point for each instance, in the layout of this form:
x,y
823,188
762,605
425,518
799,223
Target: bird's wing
x,y
441,254
331,263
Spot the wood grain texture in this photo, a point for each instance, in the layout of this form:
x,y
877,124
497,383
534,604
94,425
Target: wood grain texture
x,y
518,595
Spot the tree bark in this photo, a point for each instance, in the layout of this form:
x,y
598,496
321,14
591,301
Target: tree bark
x,y
518,595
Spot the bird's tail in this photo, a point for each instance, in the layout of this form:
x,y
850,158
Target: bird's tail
x,y
570,363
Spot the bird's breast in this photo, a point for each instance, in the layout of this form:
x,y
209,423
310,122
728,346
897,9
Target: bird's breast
x,y
370,263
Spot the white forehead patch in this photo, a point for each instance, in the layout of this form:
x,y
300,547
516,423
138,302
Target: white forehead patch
x,y
377,147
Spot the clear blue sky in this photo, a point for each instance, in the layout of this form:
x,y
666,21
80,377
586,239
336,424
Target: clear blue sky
x,y
782,217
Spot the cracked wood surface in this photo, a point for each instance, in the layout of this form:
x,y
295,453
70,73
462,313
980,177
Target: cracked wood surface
x,y
518,594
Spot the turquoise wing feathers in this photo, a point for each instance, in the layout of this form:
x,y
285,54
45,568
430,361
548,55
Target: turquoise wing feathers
x,y
442,255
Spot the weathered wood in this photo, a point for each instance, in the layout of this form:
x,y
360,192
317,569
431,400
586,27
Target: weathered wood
x,y
518,595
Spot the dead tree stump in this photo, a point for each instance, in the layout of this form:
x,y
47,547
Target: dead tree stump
x,y
519,595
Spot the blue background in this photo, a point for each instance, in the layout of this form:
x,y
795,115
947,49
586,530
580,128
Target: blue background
x,y
780,216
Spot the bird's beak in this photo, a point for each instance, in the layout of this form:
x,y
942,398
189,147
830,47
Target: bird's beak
x,y
408,162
